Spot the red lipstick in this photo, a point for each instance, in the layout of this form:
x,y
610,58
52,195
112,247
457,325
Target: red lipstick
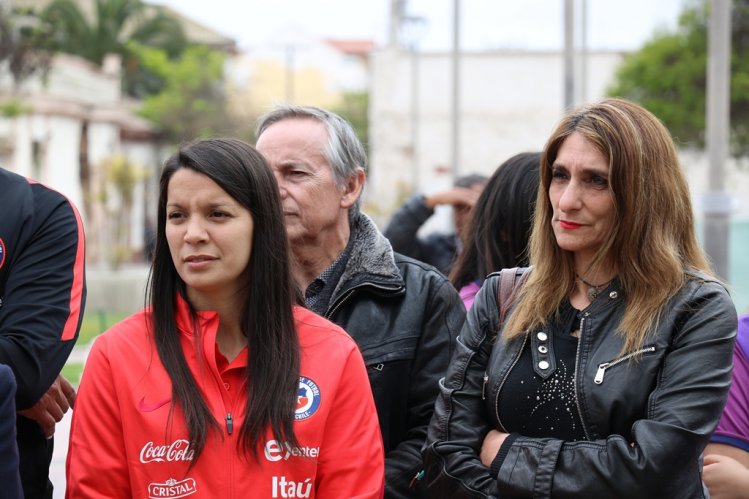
x,y
569,225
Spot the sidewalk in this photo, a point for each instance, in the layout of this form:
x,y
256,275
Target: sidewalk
x,y
57,468
62,431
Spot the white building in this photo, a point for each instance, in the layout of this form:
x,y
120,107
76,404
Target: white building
x,y
74,120
508,103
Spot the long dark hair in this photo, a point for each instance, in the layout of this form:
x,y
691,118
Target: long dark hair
x,y
497,234
267,317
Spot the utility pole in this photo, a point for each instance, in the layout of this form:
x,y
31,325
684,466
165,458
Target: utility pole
x,y
569,54
717,203
455,135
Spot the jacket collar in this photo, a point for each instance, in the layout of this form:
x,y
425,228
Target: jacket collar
x,y
372,259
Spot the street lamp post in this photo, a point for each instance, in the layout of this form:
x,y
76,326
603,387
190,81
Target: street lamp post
x,y
716,202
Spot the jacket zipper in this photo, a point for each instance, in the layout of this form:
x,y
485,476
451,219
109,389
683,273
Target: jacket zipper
x,y
577,376
504,378
602,367
229,423
332,310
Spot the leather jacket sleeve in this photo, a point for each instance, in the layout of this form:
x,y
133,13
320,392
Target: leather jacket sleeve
x,y
659,458
443,318
460,422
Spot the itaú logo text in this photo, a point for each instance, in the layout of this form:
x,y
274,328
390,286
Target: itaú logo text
x,y
290,488
179,450
172,489
276,451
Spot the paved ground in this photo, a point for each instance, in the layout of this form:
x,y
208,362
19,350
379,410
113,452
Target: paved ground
x,y
57,468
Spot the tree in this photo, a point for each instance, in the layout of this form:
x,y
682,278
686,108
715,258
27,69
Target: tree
x,y
355,109
114,23
192,103
23,43
669,76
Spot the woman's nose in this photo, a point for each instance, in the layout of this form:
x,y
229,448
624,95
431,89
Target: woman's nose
x,y
195,232
570,199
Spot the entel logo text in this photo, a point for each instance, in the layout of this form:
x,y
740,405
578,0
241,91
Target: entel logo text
x,y
276,451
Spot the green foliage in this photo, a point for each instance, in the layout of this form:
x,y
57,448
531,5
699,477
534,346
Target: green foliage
x,y
24,40
94,323
355,109
669,76
192,103
13,108
115,22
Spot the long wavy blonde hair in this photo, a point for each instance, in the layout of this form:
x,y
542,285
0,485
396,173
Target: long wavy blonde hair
x,y
653,241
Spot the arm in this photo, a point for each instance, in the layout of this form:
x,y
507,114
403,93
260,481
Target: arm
x,y
460,421
444,316
661,458
726,477
44,297
351,456
726,472
404,225
97,460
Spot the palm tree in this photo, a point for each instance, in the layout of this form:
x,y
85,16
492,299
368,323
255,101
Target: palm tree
x,y
113,24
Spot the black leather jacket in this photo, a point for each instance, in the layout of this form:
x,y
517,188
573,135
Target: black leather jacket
x,y
405,317
647,421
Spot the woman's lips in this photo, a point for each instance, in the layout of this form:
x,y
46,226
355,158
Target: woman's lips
x,y
569,225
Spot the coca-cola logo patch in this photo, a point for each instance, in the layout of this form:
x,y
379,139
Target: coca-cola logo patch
x,y
179,450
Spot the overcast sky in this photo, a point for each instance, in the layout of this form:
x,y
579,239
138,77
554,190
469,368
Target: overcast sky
x,y
537,24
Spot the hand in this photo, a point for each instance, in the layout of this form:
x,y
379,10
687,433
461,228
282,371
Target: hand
x,y
725,477
53,405
457,196
489,449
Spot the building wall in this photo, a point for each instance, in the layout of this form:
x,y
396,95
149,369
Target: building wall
x,y
509,102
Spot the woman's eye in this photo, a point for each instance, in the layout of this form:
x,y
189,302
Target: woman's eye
x,y
173,215
599,181
558,175
219,214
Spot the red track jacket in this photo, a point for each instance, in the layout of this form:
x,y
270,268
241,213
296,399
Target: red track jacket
x,y
121,444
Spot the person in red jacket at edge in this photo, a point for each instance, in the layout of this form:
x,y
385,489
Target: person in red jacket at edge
x,y
42,298
224,386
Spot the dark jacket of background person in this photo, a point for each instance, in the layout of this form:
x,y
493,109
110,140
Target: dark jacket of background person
x,y
406,339
10,480
42,296
646,402
436,249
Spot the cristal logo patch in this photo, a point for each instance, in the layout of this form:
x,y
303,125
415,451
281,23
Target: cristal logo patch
x,y
172,488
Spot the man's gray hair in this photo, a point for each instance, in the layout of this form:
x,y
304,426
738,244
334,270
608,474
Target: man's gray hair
x,y
344,151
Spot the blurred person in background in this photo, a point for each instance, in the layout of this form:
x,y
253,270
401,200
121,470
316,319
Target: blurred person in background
x,y
42,297
727,455
497,233
437,249
611,370
403,314
223,386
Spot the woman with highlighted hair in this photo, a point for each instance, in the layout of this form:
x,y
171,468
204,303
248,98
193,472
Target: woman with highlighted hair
x,y
610,372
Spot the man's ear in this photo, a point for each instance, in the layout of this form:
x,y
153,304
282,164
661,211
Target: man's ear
x,y
353,188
